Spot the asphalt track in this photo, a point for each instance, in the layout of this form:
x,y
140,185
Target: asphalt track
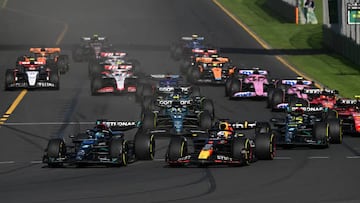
x,y
145,29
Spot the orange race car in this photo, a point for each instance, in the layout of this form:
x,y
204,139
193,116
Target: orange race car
x,y
52,56
211,70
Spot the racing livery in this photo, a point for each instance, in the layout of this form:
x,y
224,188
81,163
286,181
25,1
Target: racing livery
x,y
247,83
185,46
104,144
210,70
228,143
114,79
52,56
349,112
89,48
307,126
31,74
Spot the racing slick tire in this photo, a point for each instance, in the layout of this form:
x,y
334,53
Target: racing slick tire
x,y
321,133
177,149
205,120
277,98
184,65
147,103
227,86
330,114
119,151
136,66
54,78
9,79
335,132
148,120
208,105
270,93
265,146
234,87
241,150
144,145
56,149
96,84
63,64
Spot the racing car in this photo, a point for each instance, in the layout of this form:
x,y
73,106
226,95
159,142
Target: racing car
x,y
348,111
286,91
307,126
32,74
185,46
196,55
228,143
177,116
248,83
322,97
210,70
89,48
52,56
96,66
102,145
114,79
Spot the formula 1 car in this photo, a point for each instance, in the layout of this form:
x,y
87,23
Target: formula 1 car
x,y
349,113
247,83
52,56
178,116
114,79
322,97
102,145
288,91
90,48
307,126
185,46
32,74
96,66
210,70
197,54
231,143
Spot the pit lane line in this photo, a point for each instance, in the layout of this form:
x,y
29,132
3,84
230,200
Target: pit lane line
x,y
23,92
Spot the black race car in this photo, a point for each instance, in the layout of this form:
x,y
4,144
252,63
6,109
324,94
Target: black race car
x,y
89,48
103,145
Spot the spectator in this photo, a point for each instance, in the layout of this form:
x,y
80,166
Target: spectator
x,y
309,7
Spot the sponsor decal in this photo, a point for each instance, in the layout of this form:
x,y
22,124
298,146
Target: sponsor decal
x,y
223,158
45,84
120,123
243,94
320,108
166,89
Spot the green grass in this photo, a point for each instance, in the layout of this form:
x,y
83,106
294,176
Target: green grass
x,y
332,71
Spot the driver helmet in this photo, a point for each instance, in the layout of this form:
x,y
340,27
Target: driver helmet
x,y
99,135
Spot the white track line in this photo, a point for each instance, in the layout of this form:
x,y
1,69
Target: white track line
x,y
353,157
282,158
7,162
318,157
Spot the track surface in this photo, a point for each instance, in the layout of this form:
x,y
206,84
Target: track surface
x,y
145,29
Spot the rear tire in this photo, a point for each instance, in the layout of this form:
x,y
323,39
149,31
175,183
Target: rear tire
x,y
335,132
265,146
321,134
277,98
96,84
144,146
148,120
205,120
9,79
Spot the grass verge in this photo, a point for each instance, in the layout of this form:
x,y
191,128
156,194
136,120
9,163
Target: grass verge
x,y
330,70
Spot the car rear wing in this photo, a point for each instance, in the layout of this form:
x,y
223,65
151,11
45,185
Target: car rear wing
x,y
183,89
47,50
119,125
164,76
315,91
193,38
89,38
292,82
252,71
111,54
307,109
118,67
168,103
31,63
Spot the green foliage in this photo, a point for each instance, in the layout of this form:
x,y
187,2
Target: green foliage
x,y
332,70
